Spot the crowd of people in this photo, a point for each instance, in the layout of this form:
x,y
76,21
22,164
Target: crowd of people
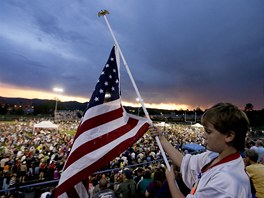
x,y
34,156
28,156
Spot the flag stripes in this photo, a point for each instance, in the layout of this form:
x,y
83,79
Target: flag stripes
x,y
98,142
99,120
107,157
101,149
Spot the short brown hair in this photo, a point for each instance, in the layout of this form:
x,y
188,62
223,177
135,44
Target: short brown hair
x,y
226,117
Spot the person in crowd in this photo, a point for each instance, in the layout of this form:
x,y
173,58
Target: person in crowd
x,y
51,169
56,174
127,188
5,182
13,180
36,168
218,172
253,145
23,172
6,168
255,171
104,191
90,186
49,192
155,186
3,162
42,169
96,180
143,184
30,172
260,147
138,172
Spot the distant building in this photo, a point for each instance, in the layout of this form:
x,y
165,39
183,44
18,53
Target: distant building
x,y
23,107
174,117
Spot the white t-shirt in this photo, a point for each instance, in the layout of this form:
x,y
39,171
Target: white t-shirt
x,y
225,180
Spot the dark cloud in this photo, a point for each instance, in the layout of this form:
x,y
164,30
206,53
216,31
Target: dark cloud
x,y
184,52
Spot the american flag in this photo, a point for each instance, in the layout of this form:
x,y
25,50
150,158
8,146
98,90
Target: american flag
x,y
106,130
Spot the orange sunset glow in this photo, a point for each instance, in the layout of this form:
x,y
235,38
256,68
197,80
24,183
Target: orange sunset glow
x,y
18,92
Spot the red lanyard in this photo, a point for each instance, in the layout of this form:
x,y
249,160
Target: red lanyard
x,y
222,161
207,167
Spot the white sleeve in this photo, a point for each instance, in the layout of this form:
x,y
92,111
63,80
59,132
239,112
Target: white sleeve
x,y
192,164
189,170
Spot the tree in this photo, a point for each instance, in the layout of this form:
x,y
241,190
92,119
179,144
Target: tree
x,y
249,107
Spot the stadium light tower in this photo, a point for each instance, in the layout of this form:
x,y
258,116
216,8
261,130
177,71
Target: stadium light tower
x,y
57,90
138,100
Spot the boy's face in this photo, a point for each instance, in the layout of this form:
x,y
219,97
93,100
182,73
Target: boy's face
x,y
214,140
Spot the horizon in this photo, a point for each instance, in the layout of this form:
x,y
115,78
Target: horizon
x,y
124,104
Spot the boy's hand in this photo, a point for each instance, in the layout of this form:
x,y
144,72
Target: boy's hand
x,y
154,131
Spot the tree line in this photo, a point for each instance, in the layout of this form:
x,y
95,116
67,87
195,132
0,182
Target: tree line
x,y
46,107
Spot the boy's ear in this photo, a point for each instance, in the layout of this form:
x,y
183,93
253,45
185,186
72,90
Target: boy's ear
x,y
230,136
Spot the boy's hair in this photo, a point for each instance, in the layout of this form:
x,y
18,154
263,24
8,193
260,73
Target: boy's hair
x,y
226,117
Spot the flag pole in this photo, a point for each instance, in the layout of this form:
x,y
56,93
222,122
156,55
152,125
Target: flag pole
x,y
103,13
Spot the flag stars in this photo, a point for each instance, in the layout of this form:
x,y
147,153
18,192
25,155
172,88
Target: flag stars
x,y
107,65
96,99
112,59
102,73
114,70
110,77
113,89
106,83
101,91
116,81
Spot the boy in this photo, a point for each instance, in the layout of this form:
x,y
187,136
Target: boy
x,y
218,172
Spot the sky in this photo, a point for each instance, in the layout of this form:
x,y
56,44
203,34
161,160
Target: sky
x,y
182,54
